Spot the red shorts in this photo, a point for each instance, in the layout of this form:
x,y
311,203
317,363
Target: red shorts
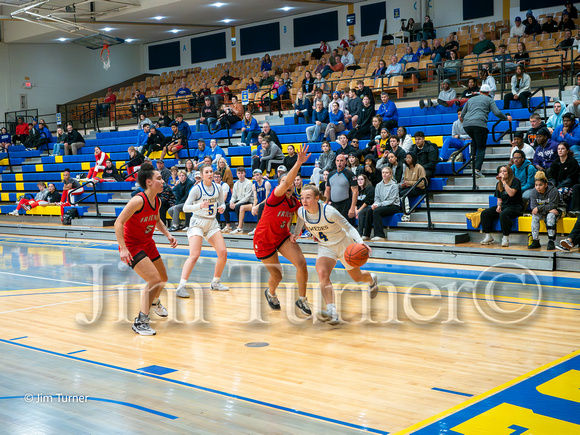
x,y
140,251
266,248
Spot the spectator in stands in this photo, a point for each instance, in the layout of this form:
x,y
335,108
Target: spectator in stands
x,y
522,57
327,158
136,159
423,50
483,46
139,103
221,93
226,192
29,204
207,161
353,163
335,124
566,43
532,26
266,81
99,167
252,87
386,203
353,108
345,147
509,206
520,88
70,184
458,140
397,166
427,154
556,119
250,130
319,95
302,108
375,133
320,83
342,190
208,117
164,120
5,139
452,66
350,42
369,169
200,153
232,113
409,56
178,142
564,172
388,112
546,150
363,125
241,201
573,238
288,82
226,78
487,79
525,172
183,91
332,57
395,68
321,119
21,132
267,130
365,199
410,27
154,99
60,140
45,134
337,97
571,9
412,174
405,139
360,153
155,141
181,191
501,57
451,45
190,170
428,31
337,67
215,152
363,90
574,106
266,63
74,141
536,124
437,53
568,132
519,144
544,203
347,58
111,173
382,68
566,23
550,26
103,108
165,173
447,94
321,66
142,138
182,125
205,91
291,158
517,29
272,155
471,91
307,83
225,171
143,120
32,137
475,114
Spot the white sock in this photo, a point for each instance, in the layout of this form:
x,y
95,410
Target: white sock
x,y
183,282
302,298
330,307
155,301
215,280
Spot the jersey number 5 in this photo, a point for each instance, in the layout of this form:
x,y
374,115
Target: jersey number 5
x,y
210,208
149,228
322,236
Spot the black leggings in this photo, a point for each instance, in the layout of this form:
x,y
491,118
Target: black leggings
x,y
375,217
523,97
478,137
506,218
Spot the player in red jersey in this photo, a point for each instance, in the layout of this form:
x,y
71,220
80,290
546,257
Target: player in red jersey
x,y
134,230
272,236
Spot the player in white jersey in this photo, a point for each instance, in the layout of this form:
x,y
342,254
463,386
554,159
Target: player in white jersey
x,y
333,234
204,202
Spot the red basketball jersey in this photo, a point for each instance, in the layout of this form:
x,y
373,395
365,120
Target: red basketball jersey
x,y
273,225
139,228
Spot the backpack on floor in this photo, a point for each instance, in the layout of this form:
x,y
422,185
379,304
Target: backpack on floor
x,y
69,215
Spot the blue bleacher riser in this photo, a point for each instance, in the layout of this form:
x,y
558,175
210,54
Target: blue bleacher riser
x,y
445,168
450,118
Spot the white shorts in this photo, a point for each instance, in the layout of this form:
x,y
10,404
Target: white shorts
x,y
205,228
336,252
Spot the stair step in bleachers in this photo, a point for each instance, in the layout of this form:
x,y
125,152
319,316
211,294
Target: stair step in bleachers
x,y
48,210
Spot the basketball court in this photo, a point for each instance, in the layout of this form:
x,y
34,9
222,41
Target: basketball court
x,y
442,349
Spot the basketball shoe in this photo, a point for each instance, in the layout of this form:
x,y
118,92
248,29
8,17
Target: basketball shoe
x,y
141,325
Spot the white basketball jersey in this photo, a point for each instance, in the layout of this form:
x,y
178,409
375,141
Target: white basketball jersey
x,y
328,225
200,193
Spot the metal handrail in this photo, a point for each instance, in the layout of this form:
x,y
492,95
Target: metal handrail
x,y
469,161
8,157
539,106
93,193
508,131
422,197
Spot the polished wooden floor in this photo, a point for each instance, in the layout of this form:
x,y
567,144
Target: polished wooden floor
x,y
381,372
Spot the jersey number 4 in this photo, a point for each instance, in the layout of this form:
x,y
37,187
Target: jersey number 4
x,y
322,236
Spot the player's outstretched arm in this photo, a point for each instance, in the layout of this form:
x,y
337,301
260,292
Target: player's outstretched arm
x,y
303,156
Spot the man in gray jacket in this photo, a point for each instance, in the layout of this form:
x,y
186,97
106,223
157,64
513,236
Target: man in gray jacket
x,y
272,155
521,86
475,114
446,94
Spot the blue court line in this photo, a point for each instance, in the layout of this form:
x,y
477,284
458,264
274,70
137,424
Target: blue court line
x,y
76,351
209,390
116,402
18,338
510,277
452,392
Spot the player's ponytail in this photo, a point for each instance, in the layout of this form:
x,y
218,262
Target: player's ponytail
x,y
145,173
314,190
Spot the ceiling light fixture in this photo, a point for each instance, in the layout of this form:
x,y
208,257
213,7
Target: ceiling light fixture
x,y
287,8
175,30
227,20
107,29
218,4
130,40
62,39
158,18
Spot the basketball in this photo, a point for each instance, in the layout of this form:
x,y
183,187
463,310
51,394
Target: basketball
x,y
356,255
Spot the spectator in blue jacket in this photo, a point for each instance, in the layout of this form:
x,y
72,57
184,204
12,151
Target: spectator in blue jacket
x,y
252,87
526,173
546,150
5,138
320,119
302,108
266,63
198,155
388,111
423,50
182,126
183,91
409,56
142,138
250,130
335,122
569,132
45,134
215,152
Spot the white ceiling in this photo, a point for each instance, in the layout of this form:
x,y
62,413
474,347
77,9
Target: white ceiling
x,y
128,21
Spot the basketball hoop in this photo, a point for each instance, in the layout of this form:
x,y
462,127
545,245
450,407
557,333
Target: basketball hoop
x,y
106,60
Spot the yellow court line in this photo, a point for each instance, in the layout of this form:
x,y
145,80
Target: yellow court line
x,y
482,396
